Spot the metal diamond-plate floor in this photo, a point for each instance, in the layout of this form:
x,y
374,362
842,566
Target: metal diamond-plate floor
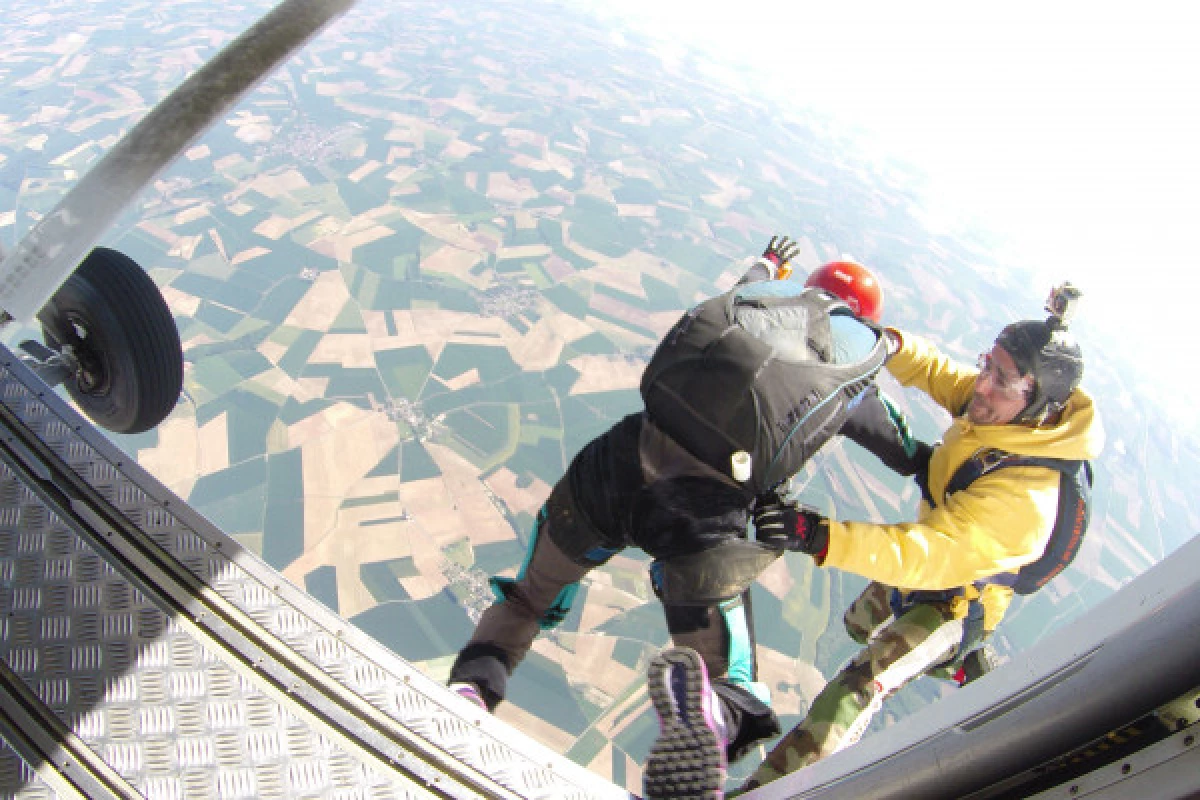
x,y
143,653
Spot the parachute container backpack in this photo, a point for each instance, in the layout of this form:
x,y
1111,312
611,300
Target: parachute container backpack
x,y
1070,523
756,370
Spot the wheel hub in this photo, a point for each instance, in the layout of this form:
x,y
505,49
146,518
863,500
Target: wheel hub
x,y
91,377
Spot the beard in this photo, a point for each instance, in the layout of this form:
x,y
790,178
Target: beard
x,y
979,411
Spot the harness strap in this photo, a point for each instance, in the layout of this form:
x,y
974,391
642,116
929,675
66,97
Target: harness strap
x,y
1070,521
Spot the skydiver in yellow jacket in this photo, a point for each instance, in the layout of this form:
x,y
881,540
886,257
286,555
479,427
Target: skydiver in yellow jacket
x,y
937,584
930,600
1004,519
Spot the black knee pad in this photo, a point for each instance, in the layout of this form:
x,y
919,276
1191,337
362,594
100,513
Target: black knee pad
x,y
571,531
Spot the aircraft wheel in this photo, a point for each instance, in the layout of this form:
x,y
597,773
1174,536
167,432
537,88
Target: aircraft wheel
x,y
114,328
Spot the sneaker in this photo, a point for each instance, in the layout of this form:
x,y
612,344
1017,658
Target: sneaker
x,y
687,760
469,692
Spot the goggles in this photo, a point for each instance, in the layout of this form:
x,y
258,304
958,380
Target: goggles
x,y
1010,386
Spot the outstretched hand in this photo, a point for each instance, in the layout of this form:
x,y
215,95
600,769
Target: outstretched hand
x,y
779,252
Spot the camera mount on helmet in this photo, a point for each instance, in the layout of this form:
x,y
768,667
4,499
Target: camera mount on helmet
x,y
1062,304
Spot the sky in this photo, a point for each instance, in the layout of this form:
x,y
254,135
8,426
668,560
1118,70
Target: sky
x,y
1070,129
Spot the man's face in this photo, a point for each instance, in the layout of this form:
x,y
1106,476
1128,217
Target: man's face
x,y
1001,392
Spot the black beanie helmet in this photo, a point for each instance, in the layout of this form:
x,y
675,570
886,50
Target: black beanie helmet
x,y
1046,351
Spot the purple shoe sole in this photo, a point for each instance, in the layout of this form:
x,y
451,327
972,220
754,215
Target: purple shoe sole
x,y
687,761
470,694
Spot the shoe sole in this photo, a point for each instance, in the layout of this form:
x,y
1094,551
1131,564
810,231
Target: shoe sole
x,y
687,761
471,695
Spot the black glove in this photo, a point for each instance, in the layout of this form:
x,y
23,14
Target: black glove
x,y
779,252
788,526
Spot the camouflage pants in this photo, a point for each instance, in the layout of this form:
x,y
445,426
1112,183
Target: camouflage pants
x,y
897,651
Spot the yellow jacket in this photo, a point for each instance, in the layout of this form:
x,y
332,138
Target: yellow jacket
x,y
1001,522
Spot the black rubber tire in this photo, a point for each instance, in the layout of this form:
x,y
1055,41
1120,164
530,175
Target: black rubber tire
x,y
131,361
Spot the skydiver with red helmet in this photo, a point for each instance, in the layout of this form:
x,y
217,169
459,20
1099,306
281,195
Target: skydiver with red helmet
x,y
668,480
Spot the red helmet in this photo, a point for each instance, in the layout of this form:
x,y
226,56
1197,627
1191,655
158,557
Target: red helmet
x,y
853,283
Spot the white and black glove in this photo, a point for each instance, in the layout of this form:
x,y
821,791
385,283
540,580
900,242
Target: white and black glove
x,y
779,252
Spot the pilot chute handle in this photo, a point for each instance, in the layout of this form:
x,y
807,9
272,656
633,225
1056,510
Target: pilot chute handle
x,y
741,466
